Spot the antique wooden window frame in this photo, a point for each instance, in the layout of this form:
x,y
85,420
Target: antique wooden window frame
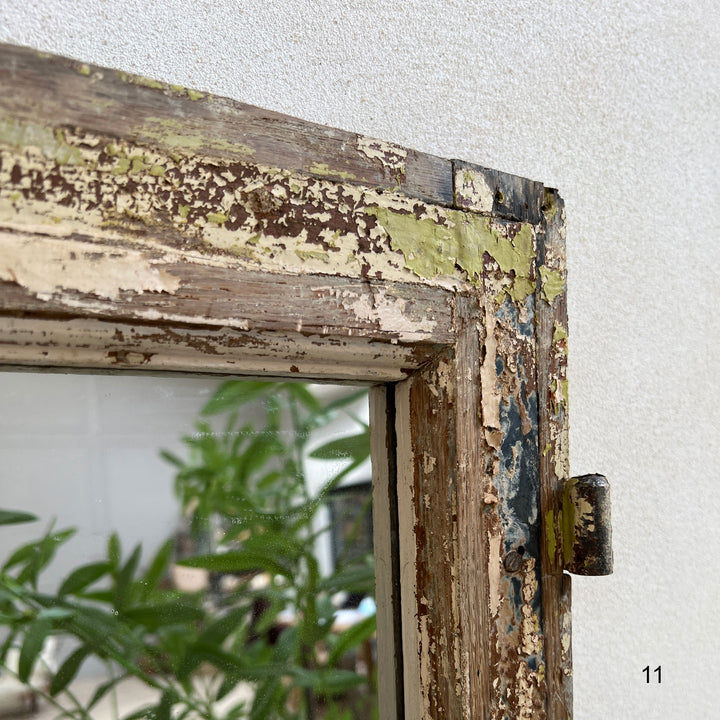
x,y
145,227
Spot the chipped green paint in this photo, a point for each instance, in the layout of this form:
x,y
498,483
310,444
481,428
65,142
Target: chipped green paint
x,y
313,255
550,207
83,69
550,530
138,164
217,218
567,519
291,221
552,283
50,142
564,391
122,167
324,169
433,249
173,134
547,449
195,94
560,333
140,80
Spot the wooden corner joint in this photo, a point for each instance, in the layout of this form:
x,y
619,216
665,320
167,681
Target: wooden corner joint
x,y
587,525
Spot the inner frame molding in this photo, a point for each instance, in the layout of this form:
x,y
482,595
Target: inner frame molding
x,y
146,227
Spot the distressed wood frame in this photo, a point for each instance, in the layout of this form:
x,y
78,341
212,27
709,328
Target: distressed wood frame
x,y
146,227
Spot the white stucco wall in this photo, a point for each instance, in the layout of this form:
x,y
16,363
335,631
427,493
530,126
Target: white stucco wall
x,y
615,103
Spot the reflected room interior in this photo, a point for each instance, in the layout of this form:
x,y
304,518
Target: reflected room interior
x,y
185,547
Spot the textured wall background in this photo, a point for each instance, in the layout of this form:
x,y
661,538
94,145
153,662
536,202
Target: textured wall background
x,y
617,104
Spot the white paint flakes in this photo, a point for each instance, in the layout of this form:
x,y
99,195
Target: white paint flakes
x,y
45,266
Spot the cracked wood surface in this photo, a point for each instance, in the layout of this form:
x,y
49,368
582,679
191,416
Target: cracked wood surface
x,y
183,120
552,339
147,227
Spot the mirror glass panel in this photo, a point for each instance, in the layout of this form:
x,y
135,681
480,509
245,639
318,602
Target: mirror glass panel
x,y
185,548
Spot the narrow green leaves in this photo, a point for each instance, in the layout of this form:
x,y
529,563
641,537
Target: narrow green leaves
x,y
32,646
232,394
238,561
352,637
12,517
353,447
82,577
68,670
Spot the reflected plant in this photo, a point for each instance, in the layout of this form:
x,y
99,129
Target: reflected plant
x,y
254,481
111,610
195,653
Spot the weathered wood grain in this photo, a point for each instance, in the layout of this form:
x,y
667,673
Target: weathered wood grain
x,y
468,501
552,338
433,639
493,192
49,276
86,342
177,119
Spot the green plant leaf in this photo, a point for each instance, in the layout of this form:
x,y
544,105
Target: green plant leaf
x,y
158,567
342,402
125,577
68,670
156,616
35,556
83,576
238,561
217,631
327,681
356,578
32,646
146,712
301,393
164,707
351,638
352,447
56,613
114,552
12,517
234,393
102,596
103,690
268,695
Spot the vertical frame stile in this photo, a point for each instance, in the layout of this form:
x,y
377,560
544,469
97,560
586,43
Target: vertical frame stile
x,y
429,558
552,338
387,556
472,547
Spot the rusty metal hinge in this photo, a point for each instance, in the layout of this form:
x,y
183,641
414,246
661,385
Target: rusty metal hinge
x,y
586,525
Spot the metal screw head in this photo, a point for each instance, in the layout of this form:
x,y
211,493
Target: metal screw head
x,y
513,561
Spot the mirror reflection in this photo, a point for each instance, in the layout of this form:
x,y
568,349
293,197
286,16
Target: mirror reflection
x,y
185,548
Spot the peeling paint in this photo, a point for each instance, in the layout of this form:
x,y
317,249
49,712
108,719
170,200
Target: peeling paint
x,y
259,215
51,143
174,134
552,283
472,191
48,266
325,170
432,248
391,156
